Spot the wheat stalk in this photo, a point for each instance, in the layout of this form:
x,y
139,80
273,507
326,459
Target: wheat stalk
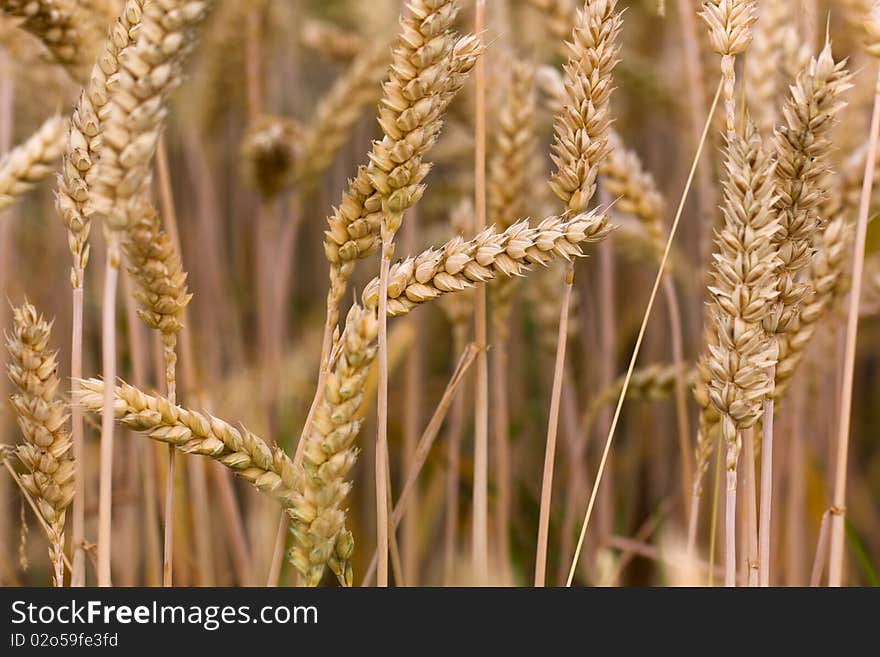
x,y
42,417
32,161
836,549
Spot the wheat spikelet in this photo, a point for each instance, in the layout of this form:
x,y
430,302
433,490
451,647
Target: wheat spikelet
x,y
161,283
149,69
42,417
30,162
581,130
247,455
61,26
460,264
730,32
802,150
317,514
339,109
458,308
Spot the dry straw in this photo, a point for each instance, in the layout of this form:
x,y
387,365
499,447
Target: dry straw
x,y
42,417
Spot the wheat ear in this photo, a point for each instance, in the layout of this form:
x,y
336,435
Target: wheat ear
x,y
730,31
803,148
32,161
42,417
420,80
765,68
742,292
246,454
331,40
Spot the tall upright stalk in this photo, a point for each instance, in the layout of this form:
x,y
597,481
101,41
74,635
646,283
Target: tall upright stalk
x,y
108,358
552,426
480,548
838,517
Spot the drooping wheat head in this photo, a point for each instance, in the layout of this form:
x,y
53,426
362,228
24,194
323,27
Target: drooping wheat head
x,y
247,455
271,150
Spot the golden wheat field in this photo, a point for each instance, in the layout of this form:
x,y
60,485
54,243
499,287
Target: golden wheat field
x,y
440,292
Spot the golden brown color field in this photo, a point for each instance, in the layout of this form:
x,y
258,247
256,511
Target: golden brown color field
x,y
438,292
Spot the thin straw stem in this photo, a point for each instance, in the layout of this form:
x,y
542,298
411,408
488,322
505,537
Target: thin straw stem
x,y
635,354
681,412
382,416
821,551
730,517
751,509
766,494
108,346
78,572
835,564
423,447
480,546
552,426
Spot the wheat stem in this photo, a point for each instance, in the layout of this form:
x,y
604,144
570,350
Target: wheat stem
x,y
108,348
635,354
835,565
423,447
